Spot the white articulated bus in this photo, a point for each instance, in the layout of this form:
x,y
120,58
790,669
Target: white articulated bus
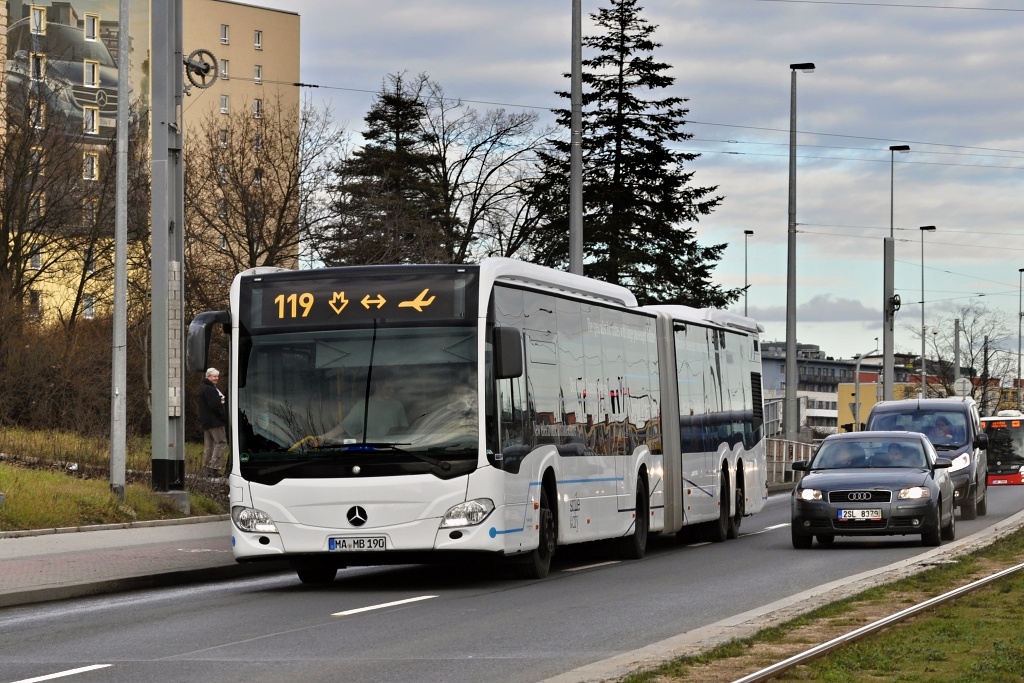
x,y
528,408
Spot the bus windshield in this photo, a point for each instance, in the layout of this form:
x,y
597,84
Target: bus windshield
x,y
327,403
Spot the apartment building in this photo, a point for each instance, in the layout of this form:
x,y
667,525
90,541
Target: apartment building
x,y
62,56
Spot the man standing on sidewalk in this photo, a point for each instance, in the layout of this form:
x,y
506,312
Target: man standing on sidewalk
x,y
214,418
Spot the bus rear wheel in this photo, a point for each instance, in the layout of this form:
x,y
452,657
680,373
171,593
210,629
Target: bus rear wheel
x,y
634,546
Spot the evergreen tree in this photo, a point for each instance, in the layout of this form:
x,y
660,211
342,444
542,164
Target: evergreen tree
x,y
386,202
637,196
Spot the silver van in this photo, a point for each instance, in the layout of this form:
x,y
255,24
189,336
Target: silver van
x,y
953,425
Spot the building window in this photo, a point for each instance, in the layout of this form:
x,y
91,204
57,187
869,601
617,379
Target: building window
x,y
222,208
92,27
89,262
38,62
257,39
92,73
257,108
37,112
224,64
257,177
223,242
35,261
91,119
91,166
89,213
257,142
89,307
222,174
223,104
38,20
224,34
257,73
35,303
36,159
36,207
223,138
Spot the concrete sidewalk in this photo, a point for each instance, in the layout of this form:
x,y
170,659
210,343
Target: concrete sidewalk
x,y
54,564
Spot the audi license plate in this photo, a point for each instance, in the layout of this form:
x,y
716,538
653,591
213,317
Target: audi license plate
x,y
874,514
357,543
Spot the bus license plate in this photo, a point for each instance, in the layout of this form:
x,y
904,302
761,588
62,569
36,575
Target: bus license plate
x,y
860,514
357,543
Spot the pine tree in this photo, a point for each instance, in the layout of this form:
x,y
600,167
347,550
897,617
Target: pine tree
x,y
387,204
637,196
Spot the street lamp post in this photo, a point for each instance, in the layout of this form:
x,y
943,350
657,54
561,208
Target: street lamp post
x,y
746,287
888,278
924,331
1020,315
791,415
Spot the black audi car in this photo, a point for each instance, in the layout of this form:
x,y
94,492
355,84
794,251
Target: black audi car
x,y
873,483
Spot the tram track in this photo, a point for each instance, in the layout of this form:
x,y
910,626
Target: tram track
x,y
770,672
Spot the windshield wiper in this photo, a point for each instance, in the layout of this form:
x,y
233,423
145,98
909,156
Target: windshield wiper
x,y
371,446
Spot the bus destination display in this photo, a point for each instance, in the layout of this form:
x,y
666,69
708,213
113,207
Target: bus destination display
x,y
314,302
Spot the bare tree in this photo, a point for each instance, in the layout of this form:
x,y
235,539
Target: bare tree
x,y
978,362
253,192
485,165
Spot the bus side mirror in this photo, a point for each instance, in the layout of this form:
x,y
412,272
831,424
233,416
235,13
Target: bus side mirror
x,y
508,353
197,345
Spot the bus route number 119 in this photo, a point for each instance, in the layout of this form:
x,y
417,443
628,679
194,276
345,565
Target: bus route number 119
x,y
288,305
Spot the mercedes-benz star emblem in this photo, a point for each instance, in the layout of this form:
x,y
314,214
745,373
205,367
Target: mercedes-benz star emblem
x,y
101,99
356,516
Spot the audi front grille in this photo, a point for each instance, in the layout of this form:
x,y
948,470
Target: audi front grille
x,y
859,496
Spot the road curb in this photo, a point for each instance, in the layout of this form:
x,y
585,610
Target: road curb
x,y
119,525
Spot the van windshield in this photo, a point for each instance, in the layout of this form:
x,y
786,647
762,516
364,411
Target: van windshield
x,y
942,427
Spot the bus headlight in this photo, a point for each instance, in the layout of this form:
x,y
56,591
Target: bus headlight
x,y
470,513
961,461
253,520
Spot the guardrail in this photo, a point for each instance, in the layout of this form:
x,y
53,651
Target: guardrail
x,y
780,455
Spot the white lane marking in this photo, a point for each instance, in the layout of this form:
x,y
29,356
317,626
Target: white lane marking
x,y
62,674
768,528
382,606
591,566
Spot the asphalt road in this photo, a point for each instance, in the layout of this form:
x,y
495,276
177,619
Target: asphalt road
x,y
418,623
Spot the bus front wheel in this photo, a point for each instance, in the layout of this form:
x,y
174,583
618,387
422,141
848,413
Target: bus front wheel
x,y
537,563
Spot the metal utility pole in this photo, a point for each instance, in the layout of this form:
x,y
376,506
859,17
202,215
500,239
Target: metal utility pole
x,y
890,302
167,293
576,146
791,410
118,430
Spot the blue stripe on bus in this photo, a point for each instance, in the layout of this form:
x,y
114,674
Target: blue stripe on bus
x,y
494,531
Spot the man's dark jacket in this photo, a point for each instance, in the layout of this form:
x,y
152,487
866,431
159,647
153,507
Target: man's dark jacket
x,y
211,410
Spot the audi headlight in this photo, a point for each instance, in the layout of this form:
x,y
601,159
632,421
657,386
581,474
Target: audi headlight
x,y
808,494
470,513
961,461
253,520
914,493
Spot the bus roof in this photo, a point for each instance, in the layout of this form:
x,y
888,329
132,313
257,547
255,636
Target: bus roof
x,y
708,315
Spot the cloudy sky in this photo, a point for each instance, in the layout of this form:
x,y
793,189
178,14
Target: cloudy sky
x,y
943,76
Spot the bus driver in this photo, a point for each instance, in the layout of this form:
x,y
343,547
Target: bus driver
x,y
381,414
